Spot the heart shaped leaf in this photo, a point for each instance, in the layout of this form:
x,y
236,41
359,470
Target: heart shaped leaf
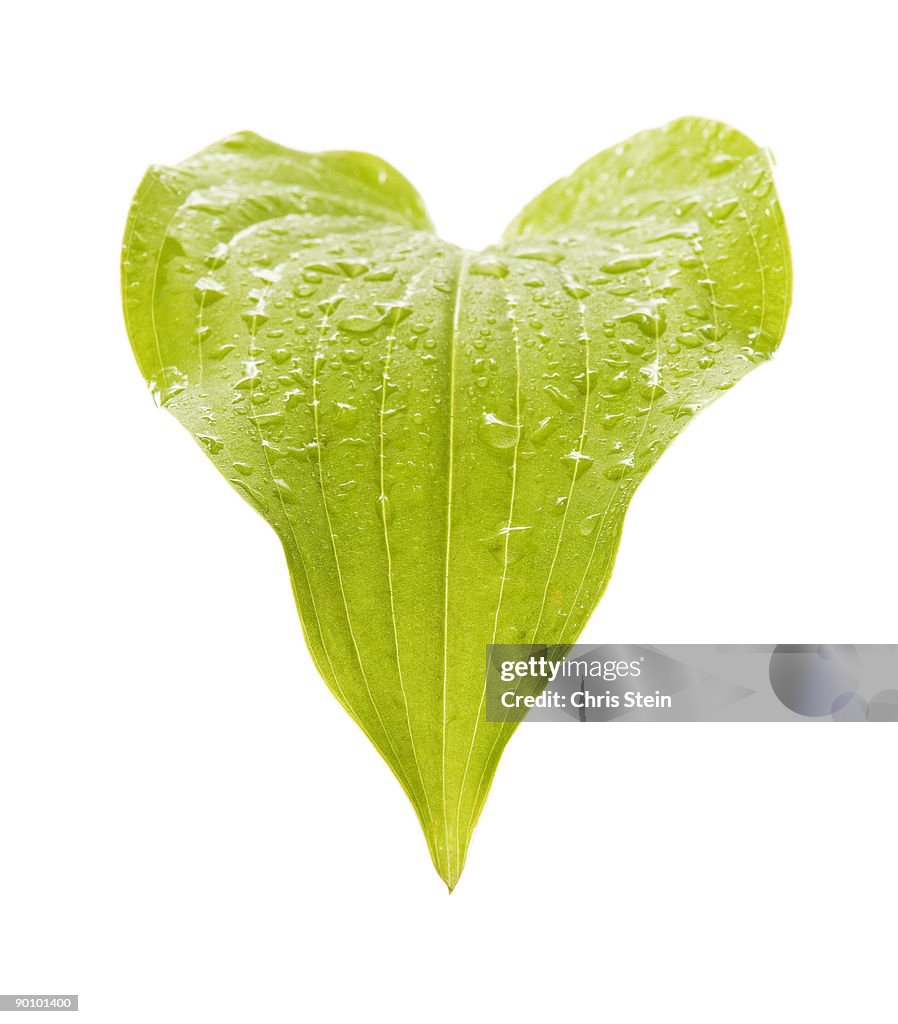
x,y
446,441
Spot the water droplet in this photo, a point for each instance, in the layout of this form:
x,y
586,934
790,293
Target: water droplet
x,y
218,257
358,324
574,288
166,384
266,276
256,315
721,163
589,524
328,305
681,410
511,543
552,256
511,530
497,433
649,318
347,415
652,391
267,420
577,462
559,397
393,313
686,232
489,266
558,506
544,430
284,490
689,340
212,444
618,470
352,268
382,274
585,381
207,291
619,383
629,261
720,211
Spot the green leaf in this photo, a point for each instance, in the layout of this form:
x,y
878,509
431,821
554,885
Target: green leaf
x,y
446,441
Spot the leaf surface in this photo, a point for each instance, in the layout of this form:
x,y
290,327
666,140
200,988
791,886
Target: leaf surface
x,y
446,441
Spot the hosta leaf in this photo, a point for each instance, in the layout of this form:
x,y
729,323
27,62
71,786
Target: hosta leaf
x,y
446,441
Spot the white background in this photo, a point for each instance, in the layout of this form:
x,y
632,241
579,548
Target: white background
x,y
191,829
